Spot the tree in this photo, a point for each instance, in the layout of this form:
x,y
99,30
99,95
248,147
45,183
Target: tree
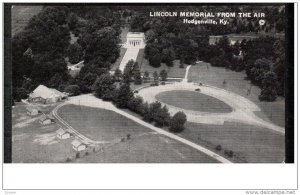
x,y
135,68
137,78
268,94
177,122
269,86
75,53
146,77
72,21
155,78
118,75
127,74
136,104
163,75
19,93
154,108
104,87
123,96
168,56
102,45
155,60
72,90
162,117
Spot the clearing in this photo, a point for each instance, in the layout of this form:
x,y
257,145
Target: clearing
x,y
190,100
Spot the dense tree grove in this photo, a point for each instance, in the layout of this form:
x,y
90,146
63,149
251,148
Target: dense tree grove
x,y
40,51
168,38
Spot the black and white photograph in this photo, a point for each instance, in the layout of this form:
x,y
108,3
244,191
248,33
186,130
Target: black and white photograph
x,y
147,83
198,97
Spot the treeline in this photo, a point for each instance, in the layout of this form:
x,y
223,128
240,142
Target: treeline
x,y
261,58
168,38
41,50
122,96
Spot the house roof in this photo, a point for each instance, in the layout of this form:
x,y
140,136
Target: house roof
x,y
45,92
30,109
61,131
45,117
77,143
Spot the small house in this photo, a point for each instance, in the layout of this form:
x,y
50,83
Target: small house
x,y
78,146
46,119
32,111
62,134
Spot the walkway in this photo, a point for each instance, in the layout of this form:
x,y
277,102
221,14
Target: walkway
x,y
243,109
132,49
91,101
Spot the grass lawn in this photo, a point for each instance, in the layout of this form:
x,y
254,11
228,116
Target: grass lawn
x,y
117,63
193,101
20,15
36,143
174,71
144,146
249,144
235,82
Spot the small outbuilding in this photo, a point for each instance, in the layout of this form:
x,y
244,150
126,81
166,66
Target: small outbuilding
x,y
32,111
78,146
46,119
62,134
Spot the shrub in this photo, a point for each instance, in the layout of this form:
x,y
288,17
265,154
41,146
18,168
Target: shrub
x,y
162,116
163,75
177,122
228,153
123,96
218,147
136,104
268,94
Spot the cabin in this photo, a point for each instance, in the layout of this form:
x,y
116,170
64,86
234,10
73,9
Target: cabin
x,y
62,134
32,111
43,94
78,146
46,119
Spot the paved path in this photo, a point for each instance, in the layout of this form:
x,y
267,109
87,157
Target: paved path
x,y
243,109
75,132
91,101
130,54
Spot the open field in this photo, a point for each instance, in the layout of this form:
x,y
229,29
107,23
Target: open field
x,y
249,144
143,146
35,143
174,71
20,15
235,82
193,101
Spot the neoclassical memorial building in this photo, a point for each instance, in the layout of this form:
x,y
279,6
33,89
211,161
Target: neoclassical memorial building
x,y
135,42
135,39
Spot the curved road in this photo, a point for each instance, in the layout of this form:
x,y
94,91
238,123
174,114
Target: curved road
x,y
242,108
91,101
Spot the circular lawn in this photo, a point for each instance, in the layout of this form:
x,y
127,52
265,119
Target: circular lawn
x,y
196,101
